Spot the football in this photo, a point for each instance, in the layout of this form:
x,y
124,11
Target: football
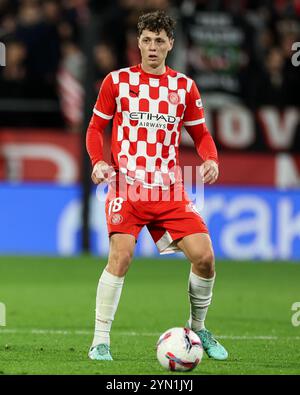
x,y
179,349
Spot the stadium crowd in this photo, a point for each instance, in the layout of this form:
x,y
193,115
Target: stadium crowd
x,y
240,50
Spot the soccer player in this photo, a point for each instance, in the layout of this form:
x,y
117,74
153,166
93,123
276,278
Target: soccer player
x,y
149,104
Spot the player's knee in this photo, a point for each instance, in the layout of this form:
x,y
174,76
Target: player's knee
x,y
119,262
204,263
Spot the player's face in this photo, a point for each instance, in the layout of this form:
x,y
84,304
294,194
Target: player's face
x,y
154,47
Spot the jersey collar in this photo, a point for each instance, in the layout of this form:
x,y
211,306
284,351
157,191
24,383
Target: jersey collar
x,y
149,75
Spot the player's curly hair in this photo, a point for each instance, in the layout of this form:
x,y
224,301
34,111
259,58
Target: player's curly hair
x,y
155,22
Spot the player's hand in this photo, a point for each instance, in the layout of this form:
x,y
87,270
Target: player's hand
x,y
102,172
209,171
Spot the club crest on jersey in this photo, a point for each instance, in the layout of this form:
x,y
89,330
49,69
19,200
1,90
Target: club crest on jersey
x,y
116,219
173,98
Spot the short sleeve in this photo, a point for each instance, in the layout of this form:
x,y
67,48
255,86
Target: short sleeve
x,y
194,112
106,101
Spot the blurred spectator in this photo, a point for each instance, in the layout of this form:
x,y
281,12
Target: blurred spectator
x,y
37,29
66,31
8,27
51,10
13,81
132,50
272,88
272,84
15,69
105,62
70,79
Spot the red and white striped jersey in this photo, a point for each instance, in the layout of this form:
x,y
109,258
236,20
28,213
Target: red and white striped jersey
x,y
148,113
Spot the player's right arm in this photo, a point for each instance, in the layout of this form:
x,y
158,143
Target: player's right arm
x,y
103,112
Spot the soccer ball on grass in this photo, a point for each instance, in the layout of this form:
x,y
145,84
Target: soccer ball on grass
x,y
179,349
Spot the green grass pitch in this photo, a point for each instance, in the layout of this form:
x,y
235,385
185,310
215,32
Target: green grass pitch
x,y
50,305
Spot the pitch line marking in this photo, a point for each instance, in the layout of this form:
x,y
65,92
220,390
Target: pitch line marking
x,y
78,332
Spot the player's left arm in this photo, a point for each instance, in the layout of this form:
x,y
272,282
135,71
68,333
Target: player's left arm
x,y
207,150
194,123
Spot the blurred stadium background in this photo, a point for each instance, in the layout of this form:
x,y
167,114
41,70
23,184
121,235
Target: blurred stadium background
x,y
239,53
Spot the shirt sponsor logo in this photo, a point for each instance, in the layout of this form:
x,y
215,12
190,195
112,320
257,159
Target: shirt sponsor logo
x,y
147,116
147,119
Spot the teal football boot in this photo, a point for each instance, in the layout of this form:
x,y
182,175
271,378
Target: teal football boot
x,y
211,346
101,352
